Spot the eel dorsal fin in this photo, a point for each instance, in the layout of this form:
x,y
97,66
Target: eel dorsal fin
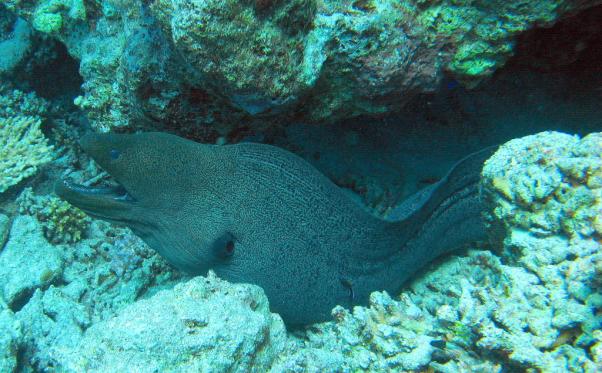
x,y
447,213
465,172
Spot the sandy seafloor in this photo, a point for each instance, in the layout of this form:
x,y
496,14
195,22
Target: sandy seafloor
x,y
82,295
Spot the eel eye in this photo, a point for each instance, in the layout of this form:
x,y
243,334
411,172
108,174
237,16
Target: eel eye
x,y
229,248
114,153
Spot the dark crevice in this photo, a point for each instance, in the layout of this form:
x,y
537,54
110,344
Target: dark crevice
x,y
21,299
57,78
21,358
571,45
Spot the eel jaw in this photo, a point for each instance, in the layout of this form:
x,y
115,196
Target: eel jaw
x,y
108,203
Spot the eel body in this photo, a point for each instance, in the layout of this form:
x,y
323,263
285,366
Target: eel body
x,y
258,214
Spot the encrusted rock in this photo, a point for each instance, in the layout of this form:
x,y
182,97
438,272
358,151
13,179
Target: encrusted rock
x,y
203,65
11,339
28,262
205,324
4,229
53,324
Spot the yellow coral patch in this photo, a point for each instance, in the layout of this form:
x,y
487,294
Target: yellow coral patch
x,y
502,185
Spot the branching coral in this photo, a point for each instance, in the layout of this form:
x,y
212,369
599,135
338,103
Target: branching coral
x,y
14,102
23,148
62,223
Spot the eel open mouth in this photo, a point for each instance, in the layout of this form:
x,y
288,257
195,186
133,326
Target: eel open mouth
x,y
105,202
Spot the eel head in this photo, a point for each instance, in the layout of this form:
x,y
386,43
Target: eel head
x,y
152,170
136,163
112,203
162,193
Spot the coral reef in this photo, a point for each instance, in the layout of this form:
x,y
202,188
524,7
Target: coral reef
x,y
112,269
15,103
200,66
205,324
48,16
536,307
253,56
417,331
23,147
547,193
79,294
55,292
389,335
529,302
62,222
52,322
549,184
483,32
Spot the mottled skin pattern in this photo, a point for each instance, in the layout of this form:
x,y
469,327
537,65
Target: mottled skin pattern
x,y
259,214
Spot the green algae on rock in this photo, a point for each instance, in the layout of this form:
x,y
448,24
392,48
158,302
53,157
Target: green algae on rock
x,y
483,31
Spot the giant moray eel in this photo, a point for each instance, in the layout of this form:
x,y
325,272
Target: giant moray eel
x,y
258,214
